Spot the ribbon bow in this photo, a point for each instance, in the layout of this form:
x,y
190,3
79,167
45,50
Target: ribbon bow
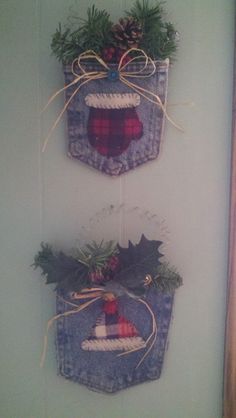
x,y
83,77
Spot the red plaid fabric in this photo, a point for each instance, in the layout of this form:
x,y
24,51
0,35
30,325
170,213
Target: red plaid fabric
x,y
112,332
111,325
110,131
110,307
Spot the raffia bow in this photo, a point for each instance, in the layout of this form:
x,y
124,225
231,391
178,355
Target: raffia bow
x,y
95,294
83,77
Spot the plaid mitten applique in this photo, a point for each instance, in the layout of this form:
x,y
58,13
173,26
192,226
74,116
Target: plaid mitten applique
x,y
113,122
113,332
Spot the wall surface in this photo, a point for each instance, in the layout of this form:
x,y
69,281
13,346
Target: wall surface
x,y
50,197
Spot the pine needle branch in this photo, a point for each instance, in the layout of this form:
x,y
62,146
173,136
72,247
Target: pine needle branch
x,y
167,278
95,32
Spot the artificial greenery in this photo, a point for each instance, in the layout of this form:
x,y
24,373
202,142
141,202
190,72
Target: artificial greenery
x,y
167,278
95,256
63,270
159,37
138,261
132,270
148,31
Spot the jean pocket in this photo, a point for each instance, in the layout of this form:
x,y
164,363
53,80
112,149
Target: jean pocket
x,y
109,346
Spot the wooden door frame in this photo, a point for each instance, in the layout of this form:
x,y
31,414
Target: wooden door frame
x,y
230,339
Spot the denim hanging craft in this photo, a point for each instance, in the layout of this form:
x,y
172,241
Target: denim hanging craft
x,y
92,347
116,123
113,311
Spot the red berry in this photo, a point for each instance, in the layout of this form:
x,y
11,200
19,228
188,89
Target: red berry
x,y
113,263
96,276
108,53
119,54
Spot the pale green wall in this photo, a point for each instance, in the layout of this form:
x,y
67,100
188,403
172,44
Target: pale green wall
x,y
49,197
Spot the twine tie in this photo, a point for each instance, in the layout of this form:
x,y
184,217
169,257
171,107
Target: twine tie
x,y
83,77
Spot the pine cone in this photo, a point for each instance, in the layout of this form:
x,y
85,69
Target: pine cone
x,y
127,33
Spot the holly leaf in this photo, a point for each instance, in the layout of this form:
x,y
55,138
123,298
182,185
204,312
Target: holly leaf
x,y
138,261
67,272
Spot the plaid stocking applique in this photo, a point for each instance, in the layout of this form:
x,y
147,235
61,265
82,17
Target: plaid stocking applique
x,y
113,122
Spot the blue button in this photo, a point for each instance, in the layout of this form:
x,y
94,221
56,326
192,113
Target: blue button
x,y
113,75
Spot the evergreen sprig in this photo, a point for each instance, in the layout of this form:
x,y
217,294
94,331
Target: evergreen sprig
x,y
147,15
167,279
95,256
136,263
65,44
95,32
91,33
159,37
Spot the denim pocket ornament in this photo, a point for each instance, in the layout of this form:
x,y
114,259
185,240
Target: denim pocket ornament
x,y
115,126
114,308
108,362
115,112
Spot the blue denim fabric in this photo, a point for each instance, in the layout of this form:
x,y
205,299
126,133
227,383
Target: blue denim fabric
x,y
140,151
104,371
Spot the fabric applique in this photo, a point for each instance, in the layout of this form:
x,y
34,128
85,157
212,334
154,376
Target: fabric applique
x,y
111,127
113,311
113,332
113,122
90,354
115,85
